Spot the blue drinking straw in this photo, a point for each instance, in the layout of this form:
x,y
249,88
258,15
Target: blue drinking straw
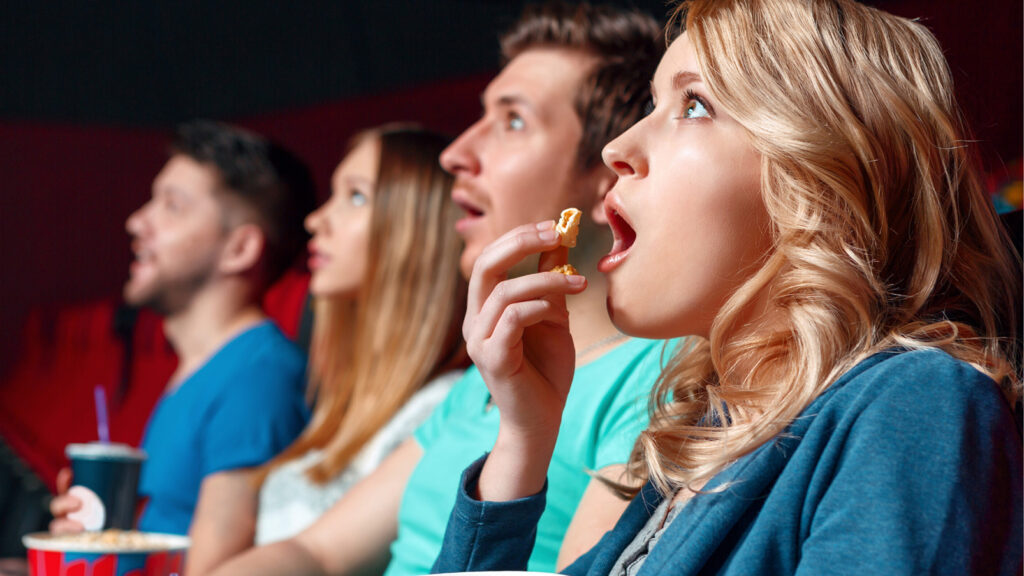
x,y
100,396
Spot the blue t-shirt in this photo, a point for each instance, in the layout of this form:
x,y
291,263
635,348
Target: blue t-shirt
x,y
238,410
604,413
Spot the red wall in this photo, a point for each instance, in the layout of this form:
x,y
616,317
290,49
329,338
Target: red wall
x,y
66,190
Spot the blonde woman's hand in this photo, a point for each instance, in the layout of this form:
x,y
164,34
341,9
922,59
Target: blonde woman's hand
x,y
517,333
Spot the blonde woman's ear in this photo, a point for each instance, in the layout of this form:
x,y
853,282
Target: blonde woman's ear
x,y
242,250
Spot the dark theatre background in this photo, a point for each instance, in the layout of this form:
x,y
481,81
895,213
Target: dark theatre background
x,y
90,92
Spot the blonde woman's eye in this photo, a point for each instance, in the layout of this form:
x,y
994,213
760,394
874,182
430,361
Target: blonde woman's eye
x,y
696,110
515,122
357,198
695,107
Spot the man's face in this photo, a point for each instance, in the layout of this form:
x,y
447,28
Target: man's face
x,y
517,164
176,237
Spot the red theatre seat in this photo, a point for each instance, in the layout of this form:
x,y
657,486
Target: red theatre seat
x,y
47,402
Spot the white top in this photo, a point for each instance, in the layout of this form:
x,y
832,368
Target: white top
x,y
290,502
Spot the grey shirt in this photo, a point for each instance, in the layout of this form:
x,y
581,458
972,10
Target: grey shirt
x,y
632,558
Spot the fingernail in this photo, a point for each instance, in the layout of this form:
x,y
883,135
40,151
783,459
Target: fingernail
x,y
575,280
548,235
546,225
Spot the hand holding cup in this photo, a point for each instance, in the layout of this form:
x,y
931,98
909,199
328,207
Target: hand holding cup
x,y
106,477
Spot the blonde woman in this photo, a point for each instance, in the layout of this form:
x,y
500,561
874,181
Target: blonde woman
x,y
386,346
803,200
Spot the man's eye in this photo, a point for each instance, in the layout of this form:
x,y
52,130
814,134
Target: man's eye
x,y
515,122
357,198
171,205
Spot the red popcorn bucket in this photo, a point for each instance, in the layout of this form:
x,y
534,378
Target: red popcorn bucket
x,y
110,553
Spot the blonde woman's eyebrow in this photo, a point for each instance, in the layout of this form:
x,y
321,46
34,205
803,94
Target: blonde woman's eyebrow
x,y
349,182
684,77
358,180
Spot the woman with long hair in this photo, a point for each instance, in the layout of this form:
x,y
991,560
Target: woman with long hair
x,y
386,342
803,200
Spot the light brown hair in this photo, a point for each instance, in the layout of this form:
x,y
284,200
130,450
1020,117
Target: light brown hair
x,y
370,355
883,235
626,46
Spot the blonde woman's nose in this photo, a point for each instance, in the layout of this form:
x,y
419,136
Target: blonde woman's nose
x,y
314,219
624,156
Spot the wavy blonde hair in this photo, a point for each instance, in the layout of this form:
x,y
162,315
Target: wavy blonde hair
x,y
883,235
370,355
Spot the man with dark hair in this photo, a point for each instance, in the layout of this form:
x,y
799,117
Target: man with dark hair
x,y
575,77
223,223
260,181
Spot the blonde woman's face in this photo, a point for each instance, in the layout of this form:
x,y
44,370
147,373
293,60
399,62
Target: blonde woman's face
x,y
686,211
339,249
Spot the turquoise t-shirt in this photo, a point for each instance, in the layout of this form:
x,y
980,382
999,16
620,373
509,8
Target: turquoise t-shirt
x,y
604,413
242,407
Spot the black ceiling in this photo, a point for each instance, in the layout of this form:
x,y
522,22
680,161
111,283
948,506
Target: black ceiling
x,y
158,62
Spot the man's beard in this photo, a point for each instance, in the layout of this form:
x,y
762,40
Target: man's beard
x,y
166,297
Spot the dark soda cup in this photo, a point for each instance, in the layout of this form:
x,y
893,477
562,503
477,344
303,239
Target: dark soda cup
x,y
106,479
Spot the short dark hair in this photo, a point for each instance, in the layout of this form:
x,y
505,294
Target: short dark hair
x,y
627,45
265,177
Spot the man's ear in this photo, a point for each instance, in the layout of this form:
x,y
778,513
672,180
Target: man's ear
x,y
242,250
604,181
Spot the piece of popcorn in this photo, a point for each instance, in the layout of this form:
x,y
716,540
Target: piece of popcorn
x,y
568,226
